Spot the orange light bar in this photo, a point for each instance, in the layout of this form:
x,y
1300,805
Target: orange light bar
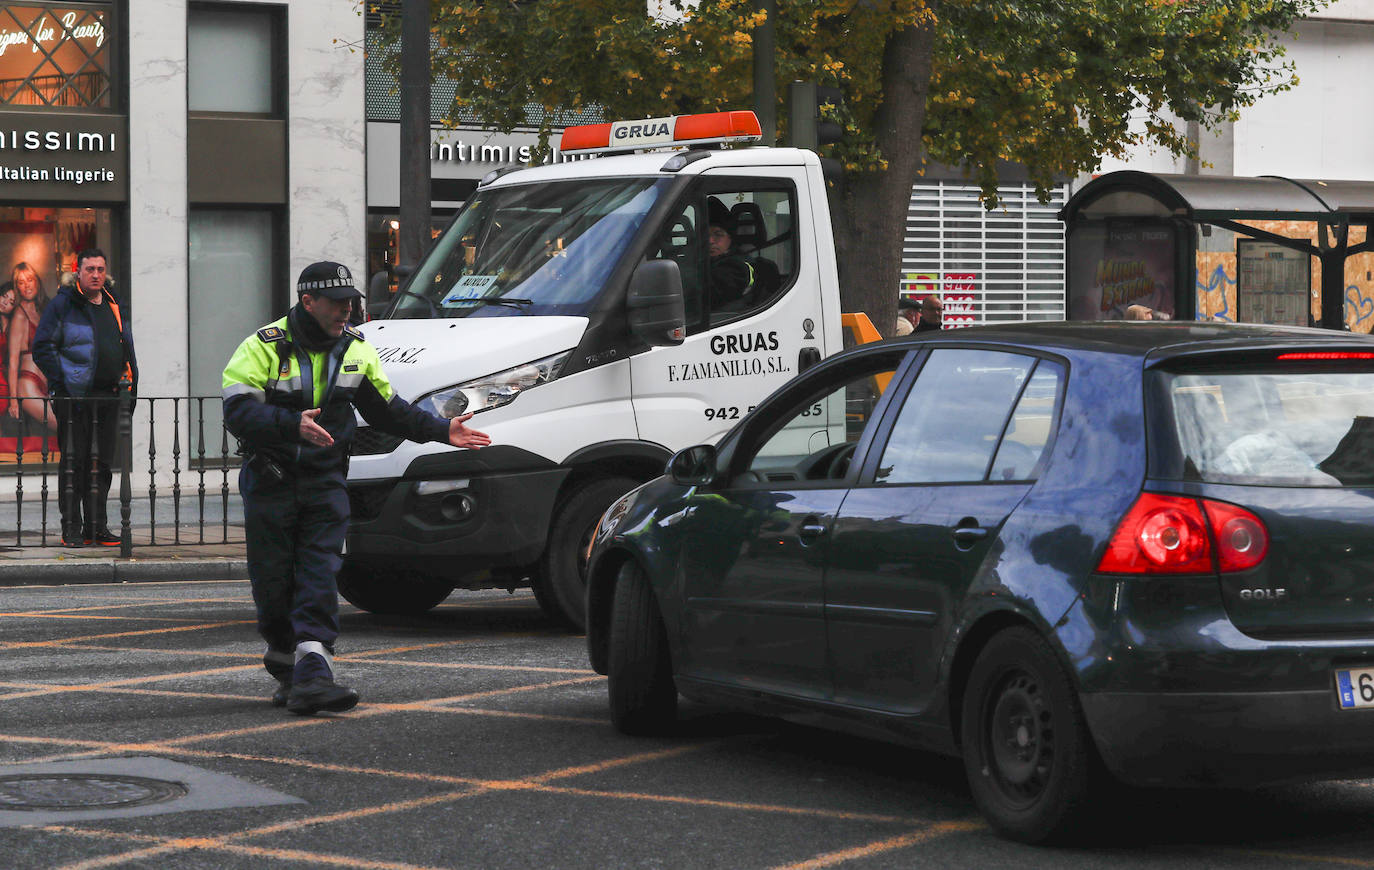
x,y
1328,354
585,137
671,132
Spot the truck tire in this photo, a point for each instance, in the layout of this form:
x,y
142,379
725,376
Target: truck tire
x,y
560,577
390,592
639,669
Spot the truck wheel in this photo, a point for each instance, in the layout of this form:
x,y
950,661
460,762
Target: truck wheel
x,y
390,592
560,578
1027,752
639,670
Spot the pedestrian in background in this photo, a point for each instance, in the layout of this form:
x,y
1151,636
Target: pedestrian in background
x,y
84,346
932,313
289,395
908,315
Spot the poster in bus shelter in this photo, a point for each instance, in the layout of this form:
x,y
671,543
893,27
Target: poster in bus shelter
x,y
28,282
1273,283
1121,271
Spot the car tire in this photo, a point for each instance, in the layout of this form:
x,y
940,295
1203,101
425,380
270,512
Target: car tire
x,y
1027,752
639,668
560,578
390,592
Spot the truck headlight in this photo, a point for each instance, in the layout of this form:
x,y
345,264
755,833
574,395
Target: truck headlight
x,y
493,391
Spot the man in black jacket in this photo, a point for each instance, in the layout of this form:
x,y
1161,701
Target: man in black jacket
x,y
85,347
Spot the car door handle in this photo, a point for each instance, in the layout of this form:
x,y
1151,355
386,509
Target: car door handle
x,y
968,532
811,529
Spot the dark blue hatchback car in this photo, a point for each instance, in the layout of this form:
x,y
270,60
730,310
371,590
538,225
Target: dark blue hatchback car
x,y
1066,552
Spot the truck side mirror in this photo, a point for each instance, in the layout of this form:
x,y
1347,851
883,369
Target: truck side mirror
x,y
656,307
694,466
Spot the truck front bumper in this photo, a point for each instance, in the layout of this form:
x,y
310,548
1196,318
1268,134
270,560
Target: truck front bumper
x,y
460,519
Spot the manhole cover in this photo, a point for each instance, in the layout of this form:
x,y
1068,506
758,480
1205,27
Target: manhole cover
x,y
79,791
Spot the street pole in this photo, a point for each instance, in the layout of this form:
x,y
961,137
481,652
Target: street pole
x,y
765,82
415,109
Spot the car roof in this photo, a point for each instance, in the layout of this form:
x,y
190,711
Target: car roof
x,y
1156,340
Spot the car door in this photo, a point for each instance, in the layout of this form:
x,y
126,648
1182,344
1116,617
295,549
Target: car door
x,y
963,450
754,554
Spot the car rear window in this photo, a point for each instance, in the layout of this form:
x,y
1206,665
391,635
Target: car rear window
x,y
1291,426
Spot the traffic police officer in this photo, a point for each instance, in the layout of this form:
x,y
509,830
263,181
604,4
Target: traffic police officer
x,y
289,394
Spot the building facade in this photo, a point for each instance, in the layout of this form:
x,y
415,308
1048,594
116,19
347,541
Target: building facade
x,y
210,149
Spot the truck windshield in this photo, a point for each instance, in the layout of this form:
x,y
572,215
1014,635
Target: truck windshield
x,y
530,249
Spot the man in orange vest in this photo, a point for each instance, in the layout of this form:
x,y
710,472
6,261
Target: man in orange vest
x,y
85,347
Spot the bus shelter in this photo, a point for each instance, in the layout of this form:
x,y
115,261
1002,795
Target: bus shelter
x,y
1144,245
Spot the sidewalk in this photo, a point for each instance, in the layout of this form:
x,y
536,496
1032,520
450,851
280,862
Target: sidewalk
x,y
55,565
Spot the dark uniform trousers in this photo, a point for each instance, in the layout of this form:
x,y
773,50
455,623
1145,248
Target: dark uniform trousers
x,y
295,529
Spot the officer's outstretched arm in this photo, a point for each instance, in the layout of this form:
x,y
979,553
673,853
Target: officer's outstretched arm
x,y
461,436
384,410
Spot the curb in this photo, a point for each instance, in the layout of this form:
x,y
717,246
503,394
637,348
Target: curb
x,y
52,572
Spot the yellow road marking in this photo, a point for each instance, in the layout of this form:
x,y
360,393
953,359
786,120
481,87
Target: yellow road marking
x,y
830,859
469,666
34,644
462,641
1314,859
147,602
216,844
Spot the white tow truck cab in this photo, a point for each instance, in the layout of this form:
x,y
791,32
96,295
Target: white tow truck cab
x,y
577,311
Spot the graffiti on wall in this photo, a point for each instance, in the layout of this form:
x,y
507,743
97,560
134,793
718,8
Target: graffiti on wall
x,y
1359,307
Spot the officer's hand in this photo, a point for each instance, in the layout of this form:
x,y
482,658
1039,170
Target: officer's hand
x,y
461,436
312,432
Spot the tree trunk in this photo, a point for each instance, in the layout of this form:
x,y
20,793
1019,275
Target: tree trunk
x,y
870,220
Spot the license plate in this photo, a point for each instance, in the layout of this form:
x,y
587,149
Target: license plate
x,y
1355,687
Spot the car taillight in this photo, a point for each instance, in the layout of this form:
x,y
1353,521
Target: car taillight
x,y
1242,540
1171,534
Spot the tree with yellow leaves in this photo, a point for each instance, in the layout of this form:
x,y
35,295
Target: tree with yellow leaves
x,y
1051,84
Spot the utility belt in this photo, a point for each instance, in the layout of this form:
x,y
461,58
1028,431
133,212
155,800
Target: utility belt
x,y
269,468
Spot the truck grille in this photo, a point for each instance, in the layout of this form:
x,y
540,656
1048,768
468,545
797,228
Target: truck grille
x,y
365,500
367,441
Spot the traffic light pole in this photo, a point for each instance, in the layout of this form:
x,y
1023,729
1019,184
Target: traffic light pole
x,y
415,108
765,87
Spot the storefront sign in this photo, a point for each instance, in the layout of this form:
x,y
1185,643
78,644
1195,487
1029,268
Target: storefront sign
x,y
62,157
54,54
958,292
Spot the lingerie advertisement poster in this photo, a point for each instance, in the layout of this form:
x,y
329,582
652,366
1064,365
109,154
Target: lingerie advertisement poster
x,y
28,282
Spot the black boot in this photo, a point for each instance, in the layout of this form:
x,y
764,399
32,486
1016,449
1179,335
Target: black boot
x,y
319,693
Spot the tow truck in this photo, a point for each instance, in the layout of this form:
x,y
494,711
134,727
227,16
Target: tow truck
x,y
571,308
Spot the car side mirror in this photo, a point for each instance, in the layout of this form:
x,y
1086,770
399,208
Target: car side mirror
x,y
656,307
694,466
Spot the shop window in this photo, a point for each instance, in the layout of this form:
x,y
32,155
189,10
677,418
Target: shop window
x,y
233,288
56,54
232,59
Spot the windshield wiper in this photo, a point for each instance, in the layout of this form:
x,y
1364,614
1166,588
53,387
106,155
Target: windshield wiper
x,y
433,309
512,301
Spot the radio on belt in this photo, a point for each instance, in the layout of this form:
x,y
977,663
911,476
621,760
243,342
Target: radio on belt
x,y
675,131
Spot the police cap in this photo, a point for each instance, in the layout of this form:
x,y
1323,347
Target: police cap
x,y
330,280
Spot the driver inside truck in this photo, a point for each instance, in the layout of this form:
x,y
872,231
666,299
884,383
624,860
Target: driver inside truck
x,y
730,277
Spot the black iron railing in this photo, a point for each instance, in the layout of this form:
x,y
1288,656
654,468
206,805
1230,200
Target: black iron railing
x,y
185,492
